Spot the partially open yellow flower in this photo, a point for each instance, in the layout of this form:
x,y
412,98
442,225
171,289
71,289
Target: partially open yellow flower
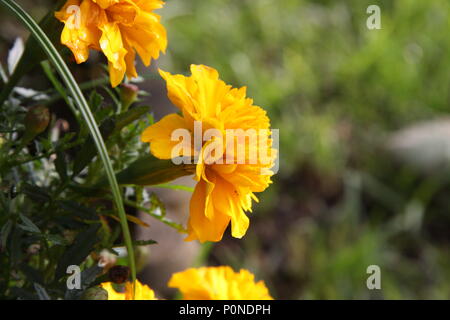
x,y
219,283
118,28
143,292
226,186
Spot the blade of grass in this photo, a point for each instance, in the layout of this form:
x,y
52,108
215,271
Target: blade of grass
x,y
82,104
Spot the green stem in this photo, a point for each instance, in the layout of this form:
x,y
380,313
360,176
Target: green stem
x,y
82,104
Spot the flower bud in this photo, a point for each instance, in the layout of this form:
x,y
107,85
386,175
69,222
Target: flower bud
x,y
95,293
128,95
37,119
119,274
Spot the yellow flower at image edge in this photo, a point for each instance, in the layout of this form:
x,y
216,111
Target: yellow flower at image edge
x,y
142,292
118,28
224,191
219,283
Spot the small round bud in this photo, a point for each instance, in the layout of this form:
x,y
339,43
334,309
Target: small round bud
x,y
128,95
95,293
37,119
119,274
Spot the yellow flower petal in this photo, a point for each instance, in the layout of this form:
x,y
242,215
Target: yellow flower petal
x,y
226,186
205,224
219,283
142,291
112,294
160,136
119,28
79,35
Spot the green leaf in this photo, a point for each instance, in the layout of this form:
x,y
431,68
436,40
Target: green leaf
x,y
79,250
144,242
29,225
95,100
77,209
55,239
88,276
149,170
58,85
35,193
61,166
88,151
175,187
4,233
32,274
129,116
15,250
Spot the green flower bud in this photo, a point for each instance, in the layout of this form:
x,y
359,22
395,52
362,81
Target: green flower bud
x,y
95,293
128,95
37,119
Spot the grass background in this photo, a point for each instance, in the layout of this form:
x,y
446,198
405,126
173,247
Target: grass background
x,y
339,93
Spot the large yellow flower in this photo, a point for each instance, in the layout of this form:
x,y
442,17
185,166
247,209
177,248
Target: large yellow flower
x,y
219,283
119,28
143,292
224,190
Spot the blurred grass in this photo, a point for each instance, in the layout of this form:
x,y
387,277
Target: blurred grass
x,y
336,90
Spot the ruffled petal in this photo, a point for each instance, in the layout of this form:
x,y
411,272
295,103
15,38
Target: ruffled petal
x,y
113,48
159,135
79,34
200,227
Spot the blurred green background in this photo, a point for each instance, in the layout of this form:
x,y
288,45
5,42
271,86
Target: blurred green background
x,y
364,138
345,197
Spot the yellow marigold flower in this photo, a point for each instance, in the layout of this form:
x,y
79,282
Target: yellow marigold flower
x,y
142,292
219,283
118,28
225,189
